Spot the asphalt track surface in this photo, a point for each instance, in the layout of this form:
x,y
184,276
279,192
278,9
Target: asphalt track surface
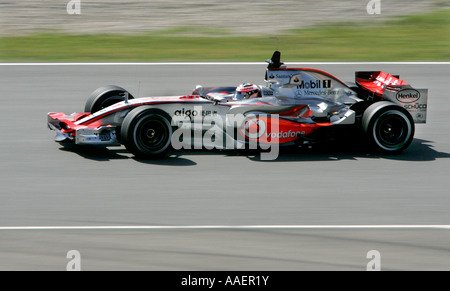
x,y
45,184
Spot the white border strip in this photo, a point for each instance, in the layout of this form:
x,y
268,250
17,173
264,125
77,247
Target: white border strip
x,y
229,227
220,63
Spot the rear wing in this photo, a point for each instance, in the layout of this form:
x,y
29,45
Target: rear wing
x,y
381,85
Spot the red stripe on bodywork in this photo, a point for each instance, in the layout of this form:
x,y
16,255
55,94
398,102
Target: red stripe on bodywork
x,y
137,105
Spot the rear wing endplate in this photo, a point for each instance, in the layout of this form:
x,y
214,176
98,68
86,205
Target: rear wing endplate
x,y
391,88
413,100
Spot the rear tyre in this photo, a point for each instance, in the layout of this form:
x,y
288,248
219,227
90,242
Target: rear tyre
x,y
104,97
388,128
147,133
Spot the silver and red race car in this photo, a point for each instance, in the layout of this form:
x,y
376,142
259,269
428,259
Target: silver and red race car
x,y
296,106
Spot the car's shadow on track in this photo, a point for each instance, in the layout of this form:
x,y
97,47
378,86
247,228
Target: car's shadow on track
x,y
103,154
419,151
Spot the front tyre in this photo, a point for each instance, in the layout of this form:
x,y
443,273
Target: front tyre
x,y
104,97
147,133
389,128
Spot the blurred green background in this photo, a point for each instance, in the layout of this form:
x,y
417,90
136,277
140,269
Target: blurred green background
x,y
419,37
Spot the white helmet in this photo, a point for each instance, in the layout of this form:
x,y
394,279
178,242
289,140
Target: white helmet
x,y
246,91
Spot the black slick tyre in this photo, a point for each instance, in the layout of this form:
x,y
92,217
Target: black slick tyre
x,y
388,128
146,132
104,97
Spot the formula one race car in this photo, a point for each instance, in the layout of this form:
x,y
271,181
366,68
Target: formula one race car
x,y
296,106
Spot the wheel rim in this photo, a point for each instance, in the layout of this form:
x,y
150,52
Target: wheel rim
x,y
392,130
152,135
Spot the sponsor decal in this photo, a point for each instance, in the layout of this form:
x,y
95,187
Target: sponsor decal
x,y
408,95
267,92
193,113
282,76
317,84
317,93
285,134
416,106
386,79
189,97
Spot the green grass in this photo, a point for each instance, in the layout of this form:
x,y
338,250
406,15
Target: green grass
x,y
423,37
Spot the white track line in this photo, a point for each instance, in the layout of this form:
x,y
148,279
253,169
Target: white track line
x,y
219,63
229,227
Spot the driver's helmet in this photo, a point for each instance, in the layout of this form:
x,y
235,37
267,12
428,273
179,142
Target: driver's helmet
x,y
246,91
